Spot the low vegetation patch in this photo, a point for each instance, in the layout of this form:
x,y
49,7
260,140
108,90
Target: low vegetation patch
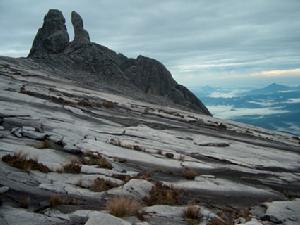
x,y
101,184
216,221
108,104
91,158
123,206
124,144
189,173
21,161
162,194
74,166
192,214
56,200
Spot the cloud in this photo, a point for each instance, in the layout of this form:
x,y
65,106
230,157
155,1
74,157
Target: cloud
x,y
230,112
230,94
199,41
293,101
276,73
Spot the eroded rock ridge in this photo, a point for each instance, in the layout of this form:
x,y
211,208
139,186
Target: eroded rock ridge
x,y
143,77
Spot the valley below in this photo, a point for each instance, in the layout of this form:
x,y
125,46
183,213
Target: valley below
x,y
275,107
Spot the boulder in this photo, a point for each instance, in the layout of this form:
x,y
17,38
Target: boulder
x,y
100,218
136,188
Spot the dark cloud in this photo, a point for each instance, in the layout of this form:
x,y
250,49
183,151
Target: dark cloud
x,y
199,41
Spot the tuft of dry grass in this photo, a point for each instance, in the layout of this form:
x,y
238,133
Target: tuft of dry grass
x,y
102,185
108,104
74,166
91,158
122,177
189,173
216,221
145,175
192,214
123,206
161,194
55,200
21,161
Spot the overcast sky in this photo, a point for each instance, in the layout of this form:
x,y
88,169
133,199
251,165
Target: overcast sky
x,y
232,42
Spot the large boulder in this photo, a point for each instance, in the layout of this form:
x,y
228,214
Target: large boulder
x,y
52,37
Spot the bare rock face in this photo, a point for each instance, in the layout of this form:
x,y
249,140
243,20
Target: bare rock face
x,y
52,37
143,77
154,78
81,36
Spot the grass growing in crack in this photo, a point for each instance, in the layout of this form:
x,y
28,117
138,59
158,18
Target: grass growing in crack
x,y
74,166
216,221
101,184
56,200
189,173
192,214
108,104
123,206
21,161
91,158
161,194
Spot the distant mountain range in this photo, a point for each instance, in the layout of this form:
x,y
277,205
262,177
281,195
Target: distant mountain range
x,y
275,106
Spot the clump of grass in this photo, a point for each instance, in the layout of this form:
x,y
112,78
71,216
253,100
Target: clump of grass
x,y
84,102
74,166
91,158
101,184
21,161
145,175
192,214
189,173
216,221
161,194
123,206
108,104
228,215
122,144
56,200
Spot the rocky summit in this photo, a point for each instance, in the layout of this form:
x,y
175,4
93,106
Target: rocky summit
x,y
143,77
90,137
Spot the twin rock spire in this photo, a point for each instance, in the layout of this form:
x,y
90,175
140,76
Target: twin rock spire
x,y
53,38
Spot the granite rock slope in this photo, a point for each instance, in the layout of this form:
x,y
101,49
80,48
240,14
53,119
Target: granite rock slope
x,y
98,146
